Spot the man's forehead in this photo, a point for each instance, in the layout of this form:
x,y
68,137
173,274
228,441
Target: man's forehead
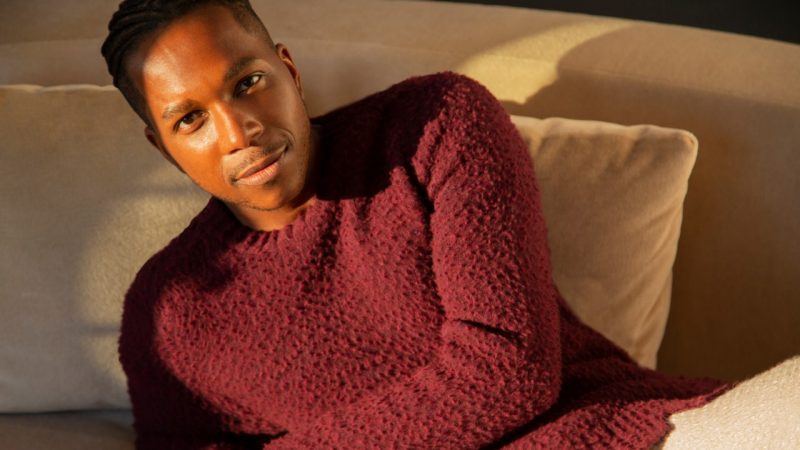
x,y
191,40
200,48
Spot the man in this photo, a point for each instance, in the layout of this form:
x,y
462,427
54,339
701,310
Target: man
x,y
376,277
260,196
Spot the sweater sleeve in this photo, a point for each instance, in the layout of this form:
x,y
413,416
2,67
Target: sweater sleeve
x,y
167,416
499,360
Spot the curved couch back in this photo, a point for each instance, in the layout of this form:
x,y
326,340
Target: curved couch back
x,y
736,292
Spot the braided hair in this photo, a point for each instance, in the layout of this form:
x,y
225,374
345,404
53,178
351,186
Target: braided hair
x,y
136,19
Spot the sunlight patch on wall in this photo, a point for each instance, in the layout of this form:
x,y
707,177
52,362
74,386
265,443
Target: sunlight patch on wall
x,y
536,58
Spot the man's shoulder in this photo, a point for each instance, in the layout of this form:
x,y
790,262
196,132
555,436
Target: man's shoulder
x,y
159,269
438,84
443,90
418,96
411,125
448,101
169,264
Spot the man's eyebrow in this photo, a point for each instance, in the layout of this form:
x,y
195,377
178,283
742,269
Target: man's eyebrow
x,y
179,108
237,67
189,105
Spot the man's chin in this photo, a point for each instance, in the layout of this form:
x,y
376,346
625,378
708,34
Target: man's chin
x,y
260,206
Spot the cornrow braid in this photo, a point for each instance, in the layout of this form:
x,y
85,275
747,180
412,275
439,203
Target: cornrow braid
x,y
136,19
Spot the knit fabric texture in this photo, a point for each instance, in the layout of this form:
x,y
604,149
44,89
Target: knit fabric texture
x,y
411,306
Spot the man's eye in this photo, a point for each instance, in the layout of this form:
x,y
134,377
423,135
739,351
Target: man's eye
x,y
188,120
247,83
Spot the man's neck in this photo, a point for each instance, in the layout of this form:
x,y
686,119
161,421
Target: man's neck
x,y
277,219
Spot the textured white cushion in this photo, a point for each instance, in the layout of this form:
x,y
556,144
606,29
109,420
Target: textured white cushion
x,y
762,413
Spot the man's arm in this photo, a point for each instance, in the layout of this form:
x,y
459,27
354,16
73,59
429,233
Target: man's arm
x,y
167,415
499,363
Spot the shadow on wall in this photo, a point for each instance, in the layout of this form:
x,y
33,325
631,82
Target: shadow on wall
x,y
736,280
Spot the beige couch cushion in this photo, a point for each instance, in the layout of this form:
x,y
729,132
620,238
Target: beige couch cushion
x,y
87,200
613,198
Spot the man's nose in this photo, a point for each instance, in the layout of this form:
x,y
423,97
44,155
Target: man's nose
x,y
236,128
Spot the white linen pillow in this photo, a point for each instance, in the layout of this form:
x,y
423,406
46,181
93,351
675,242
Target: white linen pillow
x,y
612,197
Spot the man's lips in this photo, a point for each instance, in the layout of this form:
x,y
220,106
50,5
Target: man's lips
x,y
262,170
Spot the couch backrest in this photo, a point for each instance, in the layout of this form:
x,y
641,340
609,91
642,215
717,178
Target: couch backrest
x,y
736,292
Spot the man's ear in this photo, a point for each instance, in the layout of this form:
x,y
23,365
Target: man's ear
x,y
152,138
286,59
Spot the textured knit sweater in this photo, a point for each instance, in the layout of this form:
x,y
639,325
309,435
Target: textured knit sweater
x,y
411,306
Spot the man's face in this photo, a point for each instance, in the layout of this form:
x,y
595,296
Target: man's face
x,y
227,109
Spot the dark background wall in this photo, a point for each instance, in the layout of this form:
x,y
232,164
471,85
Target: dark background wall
x,y
774,19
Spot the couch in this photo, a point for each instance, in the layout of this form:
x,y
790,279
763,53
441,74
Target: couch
x,y
689,136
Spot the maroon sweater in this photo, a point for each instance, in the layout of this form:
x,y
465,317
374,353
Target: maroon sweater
x,y
412,306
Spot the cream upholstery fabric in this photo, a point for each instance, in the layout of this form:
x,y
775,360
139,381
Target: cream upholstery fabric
x,y
85,201
613,202
88,201
762,413
737,263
